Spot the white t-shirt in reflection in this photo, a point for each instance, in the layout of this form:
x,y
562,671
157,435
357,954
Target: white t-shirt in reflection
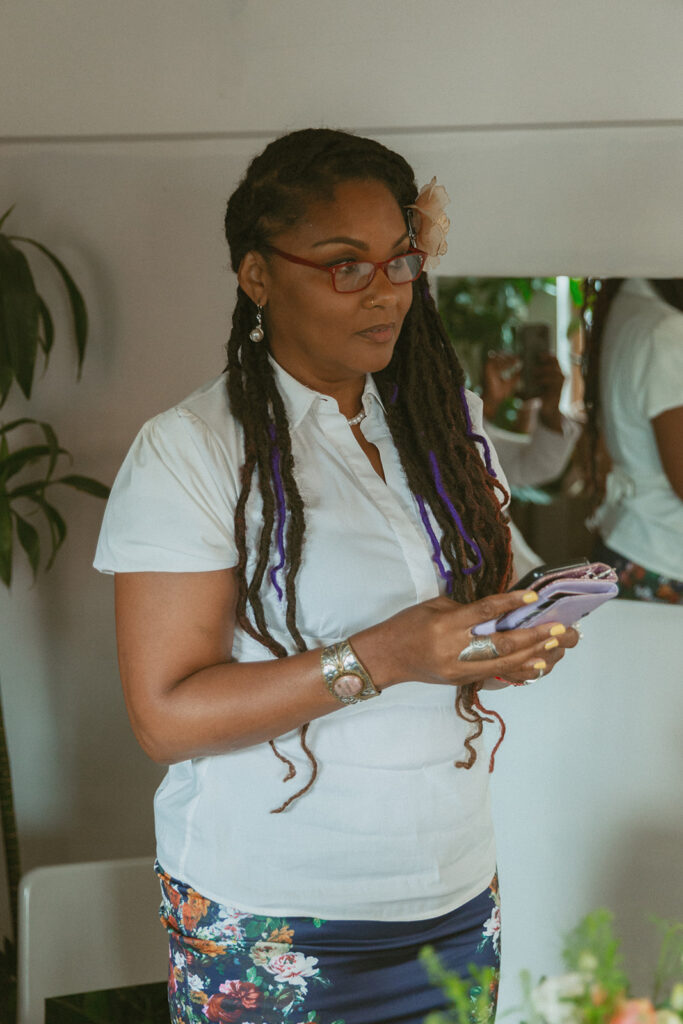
x,y
641,375
390,830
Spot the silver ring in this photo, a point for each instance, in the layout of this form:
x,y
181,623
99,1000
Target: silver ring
x,y
480,648
541,673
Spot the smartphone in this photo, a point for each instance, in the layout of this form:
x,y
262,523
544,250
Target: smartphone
x,y
561,599
532,340
544,570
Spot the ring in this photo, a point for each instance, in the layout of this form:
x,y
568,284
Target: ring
x,y
541,673
480,648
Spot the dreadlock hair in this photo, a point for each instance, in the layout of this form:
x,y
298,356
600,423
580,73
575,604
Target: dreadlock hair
x,y
598,297
438,451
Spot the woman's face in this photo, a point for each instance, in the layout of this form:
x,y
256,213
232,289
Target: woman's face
x,y
326,338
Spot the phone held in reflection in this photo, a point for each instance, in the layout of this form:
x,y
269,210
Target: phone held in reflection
x,y
532,340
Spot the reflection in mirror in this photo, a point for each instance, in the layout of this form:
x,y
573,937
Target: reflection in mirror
x,y
634,400
520,342
601,478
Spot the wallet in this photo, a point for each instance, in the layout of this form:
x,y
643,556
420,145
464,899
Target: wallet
x,y
564,595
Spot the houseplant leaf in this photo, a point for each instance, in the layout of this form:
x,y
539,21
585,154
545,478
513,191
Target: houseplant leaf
x,y
6,214
23,457
48,336
5,539
57,528
80,314
30,542
19,313
84,483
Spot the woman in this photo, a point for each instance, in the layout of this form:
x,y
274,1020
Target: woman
x,y
308,532
634,395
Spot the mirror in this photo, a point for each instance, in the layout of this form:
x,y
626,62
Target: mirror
x,y
522,343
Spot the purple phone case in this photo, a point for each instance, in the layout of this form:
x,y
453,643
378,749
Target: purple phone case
x,y
585,589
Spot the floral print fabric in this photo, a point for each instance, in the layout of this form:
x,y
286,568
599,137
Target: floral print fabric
x,y
639,584
231,967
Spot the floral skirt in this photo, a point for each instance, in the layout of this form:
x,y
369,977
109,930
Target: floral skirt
x,y
230,966
639,584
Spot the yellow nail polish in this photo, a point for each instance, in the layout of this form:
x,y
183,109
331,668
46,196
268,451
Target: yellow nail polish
x,y
538,665
558,630
550,644
530,597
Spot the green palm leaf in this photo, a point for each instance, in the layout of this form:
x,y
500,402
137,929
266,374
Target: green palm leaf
x,y
84,483
30,542
19,315
80,314
46,339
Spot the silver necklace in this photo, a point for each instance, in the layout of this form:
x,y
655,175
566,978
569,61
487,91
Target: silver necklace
x,y
355,420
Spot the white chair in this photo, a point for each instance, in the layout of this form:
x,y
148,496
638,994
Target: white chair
x,y
88,927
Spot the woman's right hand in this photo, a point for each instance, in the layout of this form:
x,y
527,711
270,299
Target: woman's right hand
x,y
424,643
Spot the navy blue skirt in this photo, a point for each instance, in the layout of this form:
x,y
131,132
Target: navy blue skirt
x,y
231,967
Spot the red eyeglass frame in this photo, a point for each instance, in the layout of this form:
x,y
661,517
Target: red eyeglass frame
x,y
332,271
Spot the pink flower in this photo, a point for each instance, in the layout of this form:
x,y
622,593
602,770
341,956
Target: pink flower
x,y
293,968
635,1011
430,222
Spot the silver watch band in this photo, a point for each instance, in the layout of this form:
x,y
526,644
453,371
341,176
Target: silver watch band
x,y
345,677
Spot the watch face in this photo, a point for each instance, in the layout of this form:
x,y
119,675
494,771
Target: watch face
x,y
348,685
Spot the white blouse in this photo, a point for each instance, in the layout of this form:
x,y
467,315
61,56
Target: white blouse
x,y
390,830
641,376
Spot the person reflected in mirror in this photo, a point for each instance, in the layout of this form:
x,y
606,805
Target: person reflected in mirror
x,y
538,451
301,549
634,402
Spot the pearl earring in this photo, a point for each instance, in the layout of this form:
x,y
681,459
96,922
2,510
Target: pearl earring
x,y
257,334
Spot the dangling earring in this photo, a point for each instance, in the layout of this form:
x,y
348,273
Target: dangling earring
x,y
257,334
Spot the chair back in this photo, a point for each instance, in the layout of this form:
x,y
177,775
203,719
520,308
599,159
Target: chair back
x,y
88,927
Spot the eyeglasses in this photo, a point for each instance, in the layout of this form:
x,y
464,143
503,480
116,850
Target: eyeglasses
x,y
353,276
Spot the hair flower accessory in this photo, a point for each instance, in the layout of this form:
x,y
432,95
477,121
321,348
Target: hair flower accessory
x,y
429,224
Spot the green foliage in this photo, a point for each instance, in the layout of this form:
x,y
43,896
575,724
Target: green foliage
x,y
23,498
483,313
469,997
593,945
669,969
596,990
26,324
27,328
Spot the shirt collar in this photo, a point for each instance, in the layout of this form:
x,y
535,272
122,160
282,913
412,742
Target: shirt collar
x,y
299,399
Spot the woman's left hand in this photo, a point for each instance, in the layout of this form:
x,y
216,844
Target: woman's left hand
x,y
551,657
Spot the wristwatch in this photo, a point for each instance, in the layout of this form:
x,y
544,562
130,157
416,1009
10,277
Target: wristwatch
x,y
345,677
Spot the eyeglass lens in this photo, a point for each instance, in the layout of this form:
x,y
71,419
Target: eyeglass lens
x,y
351,277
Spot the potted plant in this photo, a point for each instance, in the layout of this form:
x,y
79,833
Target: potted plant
x,y
31,461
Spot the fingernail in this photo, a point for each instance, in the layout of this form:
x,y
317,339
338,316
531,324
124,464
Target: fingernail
x,y
538,665
530,597
558,630
550,644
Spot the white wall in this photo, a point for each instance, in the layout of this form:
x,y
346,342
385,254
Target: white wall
x,y
123,128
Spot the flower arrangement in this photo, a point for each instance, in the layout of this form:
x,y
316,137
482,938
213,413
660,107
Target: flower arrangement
x,y
594,989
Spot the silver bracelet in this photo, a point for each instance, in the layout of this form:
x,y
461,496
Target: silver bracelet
x,y
345,677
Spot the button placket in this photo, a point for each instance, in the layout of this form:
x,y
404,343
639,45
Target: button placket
x,y
384,496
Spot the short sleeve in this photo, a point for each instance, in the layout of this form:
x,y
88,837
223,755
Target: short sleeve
x,y
664,380
172,505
